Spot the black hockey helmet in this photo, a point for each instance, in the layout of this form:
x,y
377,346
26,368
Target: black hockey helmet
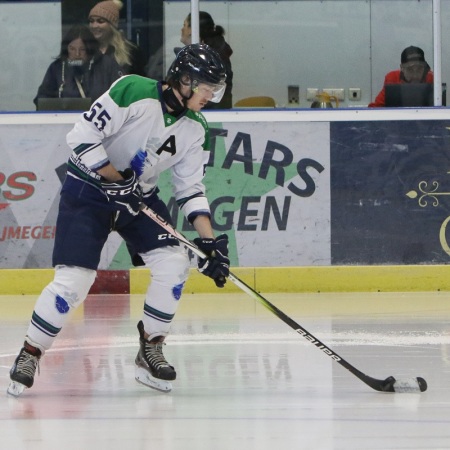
x,y
198,63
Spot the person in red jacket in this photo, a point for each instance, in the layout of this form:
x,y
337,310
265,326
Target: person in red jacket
x,y
413,69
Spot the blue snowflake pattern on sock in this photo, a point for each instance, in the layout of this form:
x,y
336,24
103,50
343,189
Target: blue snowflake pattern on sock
x,y
177,291
61,305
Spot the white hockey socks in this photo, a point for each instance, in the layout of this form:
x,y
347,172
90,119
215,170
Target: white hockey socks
x,y
68,290
169,271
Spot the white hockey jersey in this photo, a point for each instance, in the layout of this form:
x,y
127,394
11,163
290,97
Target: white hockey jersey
x,y
129,127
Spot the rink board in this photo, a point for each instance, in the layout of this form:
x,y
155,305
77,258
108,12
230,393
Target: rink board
x,y
262,279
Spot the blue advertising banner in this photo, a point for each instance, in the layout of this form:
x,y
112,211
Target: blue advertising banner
x,y
390,192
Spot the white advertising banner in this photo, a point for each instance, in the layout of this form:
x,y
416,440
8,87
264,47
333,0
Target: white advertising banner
x,y
277,175
268,185
30,180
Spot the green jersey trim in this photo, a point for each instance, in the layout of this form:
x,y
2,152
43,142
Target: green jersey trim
x,y
133,88
200,118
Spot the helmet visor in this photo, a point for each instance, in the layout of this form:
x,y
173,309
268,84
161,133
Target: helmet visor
x,y
214,92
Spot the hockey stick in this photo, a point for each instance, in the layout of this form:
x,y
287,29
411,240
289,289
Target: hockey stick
x,y
390,384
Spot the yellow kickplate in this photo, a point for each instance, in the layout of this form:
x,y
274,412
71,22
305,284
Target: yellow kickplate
x,y
411,278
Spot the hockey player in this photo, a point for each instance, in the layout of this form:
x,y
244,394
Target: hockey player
x,y
136,130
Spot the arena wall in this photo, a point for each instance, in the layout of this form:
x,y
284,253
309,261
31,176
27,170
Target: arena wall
x,y
296,190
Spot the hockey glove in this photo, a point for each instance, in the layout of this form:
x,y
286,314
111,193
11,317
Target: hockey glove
x,y
125,195
217,264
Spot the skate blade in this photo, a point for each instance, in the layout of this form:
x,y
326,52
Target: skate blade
x,y
15,388
143,377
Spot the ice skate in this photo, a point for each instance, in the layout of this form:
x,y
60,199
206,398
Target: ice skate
x,y
152,369
23,370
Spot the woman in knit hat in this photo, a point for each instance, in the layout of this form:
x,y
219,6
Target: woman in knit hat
x,y
104,22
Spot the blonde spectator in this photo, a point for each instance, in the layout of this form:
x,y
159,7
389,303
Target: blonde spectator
x,y
104,22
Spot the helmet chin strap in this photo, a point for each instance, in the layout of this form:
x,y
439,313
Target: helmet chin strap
x,y
174,103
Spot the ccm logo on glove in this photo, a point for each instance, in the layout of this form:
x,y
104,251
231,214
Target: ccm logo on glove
x,y
217,263
123,191
126,194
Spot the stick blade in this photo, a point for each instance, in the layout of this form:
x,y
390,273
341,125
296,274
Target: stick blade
x,y
405,385
410,385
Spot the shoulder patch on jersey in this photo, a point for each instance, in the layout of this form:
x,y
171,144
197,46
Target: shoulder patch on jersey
x,y
200,118
132,88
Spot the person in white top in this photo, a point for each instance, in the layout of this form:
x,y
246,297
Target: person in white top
x,y
136,130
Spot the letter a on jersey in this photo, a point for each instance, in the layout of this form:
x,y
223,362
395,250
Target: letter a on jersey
x,y
168,146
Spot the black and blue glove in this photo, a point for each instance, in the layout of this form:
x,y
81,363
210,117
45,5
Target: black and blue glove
x,y
217,263
126,194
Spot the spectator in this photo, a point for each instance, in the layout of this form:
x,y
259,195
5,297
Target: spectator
x,y
213,35
413,69
79,70
65,75
103,22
